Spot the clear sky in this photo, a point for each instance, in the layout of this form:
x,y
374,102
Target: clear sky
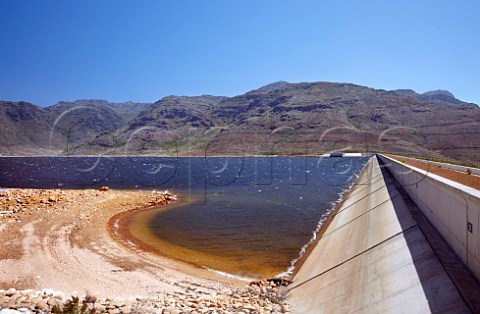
x,y
145,50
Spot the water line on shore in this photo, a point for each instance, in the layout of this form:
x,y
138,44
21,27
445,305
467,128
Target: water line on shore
x,y
334,204
120,230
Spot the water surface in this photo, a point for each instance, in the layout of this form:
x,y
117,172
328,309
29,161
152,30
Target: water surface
x,y
249,217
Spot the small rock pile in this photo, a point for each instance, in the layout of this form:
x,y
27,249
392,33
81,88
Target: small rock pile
x,y
28,301
14,202
258,297
161,198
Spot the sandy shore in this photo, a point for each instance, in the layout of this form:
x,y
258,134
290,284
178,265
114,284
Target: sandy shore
x,y
59,239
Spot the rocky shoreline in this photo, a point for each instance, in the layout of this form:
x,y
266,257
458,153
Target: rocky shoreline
x,y
60,239
257,297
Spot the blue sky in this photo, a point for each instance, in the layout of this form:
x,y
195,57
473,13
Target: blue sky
x,y
145,50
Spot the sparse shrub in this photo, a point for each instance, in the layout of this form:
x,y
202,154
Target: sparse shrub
x,y
73,306
469,172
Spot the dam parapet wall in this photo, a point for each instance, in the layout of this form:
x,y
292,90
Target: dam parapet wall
x,y
452,208
379,254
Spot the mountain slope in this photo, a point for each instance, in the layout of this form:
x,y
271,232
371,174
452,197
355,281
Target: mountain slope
x,y
436,96
24,127
314,117
30,129
300,118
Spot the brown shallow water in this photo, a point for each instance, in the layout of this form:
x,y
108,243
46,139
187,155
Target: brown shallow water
x,y
246,220
231,260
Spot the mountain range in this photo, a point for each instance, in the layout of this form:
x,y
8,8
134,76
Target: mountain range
x,y
279,118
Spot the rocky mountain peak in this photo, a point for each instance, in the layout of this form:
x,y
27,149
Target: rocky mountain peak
x,y
275,86
440,96
439,92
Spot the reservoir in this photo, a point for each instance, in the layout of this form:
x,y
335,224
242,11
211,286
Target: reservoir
x,y
249,217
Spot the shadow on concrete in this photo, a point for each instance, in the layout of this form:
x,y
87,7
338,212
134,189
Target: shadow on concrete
x,y
434,261
428,254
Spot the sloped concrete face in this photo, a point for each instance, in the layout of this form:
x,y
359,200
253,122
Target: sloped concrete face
x,y
373,258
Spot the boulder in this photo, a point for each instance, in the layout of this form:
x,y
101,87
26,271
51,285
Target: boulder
x,y
41,305
90,298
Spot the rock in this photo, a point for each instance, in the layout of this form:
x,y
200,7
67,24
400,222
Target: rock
x,y
22,299
237,305
53,302
11,303
8,311
90,298
41,305
48,292
171,310
110,306
249,307
59,295
100,308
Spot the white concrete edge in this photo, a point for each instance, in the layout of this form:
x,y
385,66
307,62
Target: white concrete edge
x,y
474,170
450,183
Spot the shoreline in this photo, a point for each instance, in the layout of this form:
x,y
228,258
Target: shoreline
x,y
78,242
323,228
118,228
76,224
119,231
59,240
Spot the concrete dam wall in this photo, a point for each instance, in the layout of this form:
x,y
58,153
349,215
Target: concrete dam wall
x,y
451,207
378,254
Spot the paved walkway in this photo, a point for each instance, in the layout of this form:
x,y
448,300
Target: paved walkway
x,y
376,257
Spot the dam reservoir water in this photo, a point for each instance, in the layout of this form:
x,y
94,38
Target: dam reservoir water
x,y
244,216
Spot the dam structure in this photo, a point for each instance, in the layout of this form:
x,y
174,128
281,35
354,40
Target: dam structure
x,y
401,241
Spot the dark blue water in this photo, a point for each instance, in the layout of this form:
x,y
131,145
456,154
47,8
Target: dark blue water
x,y
248,216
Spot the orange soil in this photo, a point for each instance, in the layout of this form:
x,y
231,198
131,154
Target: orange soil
x,y
460,177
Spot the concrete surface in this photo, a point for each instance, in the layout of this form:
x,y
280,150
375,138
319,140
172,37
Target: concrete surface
x,y
449,206
374,258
